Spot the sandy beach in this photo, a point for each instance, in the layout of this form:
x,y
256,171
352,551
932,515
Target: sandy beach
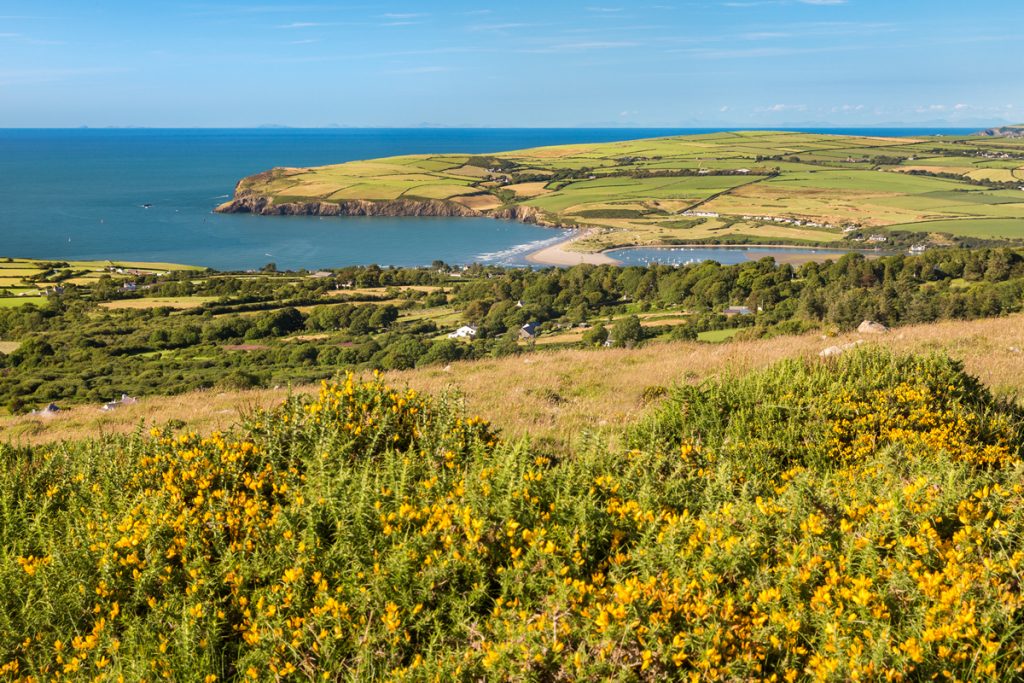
x,y
558,255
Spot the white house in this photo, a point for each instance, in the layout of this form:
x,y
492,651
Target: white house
x,y
464,332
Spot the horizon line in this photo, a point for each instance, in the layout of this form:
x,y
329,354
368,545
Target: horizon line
x,y
740,127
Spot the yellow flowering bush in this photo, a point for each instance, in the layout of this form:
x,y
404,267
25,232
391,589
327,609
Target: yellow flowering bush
x,y
852,521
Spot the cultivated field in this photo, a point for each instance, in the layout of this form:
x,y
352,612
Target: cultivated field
x,y
775,187
24,281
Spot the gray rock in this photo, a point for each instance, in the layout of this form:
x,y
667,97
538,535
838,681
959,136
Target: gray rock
x,y
871,327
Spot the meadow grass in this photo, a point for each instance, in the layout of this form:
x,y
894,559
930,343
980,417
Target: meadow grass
x,y
180,302
972,227
716,336
13,301
562,397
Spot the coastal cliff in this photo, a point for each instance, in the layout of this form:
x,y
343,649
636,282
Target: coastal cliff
x,y
265,206
252,202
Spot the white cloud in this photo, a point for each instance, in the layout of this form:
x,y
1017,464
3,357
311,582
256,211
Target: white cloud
x,y
303,24
779,108
757,52
581,47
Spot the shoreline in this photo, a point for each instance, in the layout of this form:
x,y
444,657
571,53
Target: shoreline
x,y
791,254
557,255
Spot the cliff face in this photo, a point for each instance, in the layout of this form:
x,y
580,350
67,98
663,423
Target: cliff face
x,y
526,214
264,206
251,197
249,202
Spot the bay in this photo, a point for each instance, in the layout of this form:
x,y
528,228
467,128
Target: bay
x,y
82,193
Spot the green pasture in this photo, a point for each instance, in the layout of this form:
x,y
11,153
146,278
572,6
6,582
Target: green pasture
x,y
717,336
15,301
986,228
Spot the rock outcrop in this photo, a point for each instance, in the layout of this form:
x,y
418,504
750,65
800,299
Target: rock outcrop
x,y
525,214
836,351
871,327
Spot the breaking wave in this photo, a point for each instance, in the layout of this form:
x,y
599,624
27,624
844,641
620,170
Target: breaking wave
x,y
508,256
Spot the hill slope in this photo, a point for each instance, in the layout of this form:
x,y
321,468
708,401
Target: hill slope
x,y
771,187
856,519
556,397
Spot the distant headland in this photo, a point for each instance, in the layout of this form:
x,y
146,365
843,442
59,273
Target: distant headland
x,y
742,187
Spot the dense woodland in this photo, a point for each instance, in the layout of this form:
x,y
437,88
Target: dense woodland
x,y
271,328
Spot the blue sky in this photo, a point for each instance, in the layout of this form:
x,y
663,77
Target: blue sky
x,y
518,63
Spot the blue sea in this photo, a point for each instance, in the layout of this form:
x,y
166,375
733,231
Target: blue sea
x,y
81,193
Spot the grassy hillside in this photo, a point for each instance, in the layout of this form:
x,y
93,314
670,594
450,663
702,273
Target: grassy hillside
x,y
770,187
557,397
842,520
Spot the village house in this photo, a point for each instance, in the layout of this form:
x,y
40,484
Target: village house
x,y
464,332
738,310
528,331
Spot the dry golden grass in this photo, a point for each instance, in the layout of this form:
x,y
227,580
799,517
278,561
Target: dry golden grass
x,y
181,302
558,396
478,202
529,189
381,291
9,346
471,171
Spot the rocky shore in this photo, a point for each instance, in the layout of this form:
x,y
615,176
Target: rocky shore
x,y
265,206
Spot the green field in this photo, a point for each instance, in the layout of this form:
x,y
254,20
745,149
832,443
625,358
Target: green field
x,y
759,185
717,336
11,302
1010,228
21,278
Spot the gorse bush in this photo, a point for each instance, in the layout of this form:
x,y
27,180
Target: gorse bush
x,y
827,415
859,519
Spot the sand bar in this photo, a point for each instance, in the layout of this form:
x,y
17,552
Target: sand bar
x,y
558,255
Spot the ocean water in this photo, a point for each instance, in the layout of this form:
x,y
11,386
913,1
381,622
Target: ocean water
x,y
80,194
